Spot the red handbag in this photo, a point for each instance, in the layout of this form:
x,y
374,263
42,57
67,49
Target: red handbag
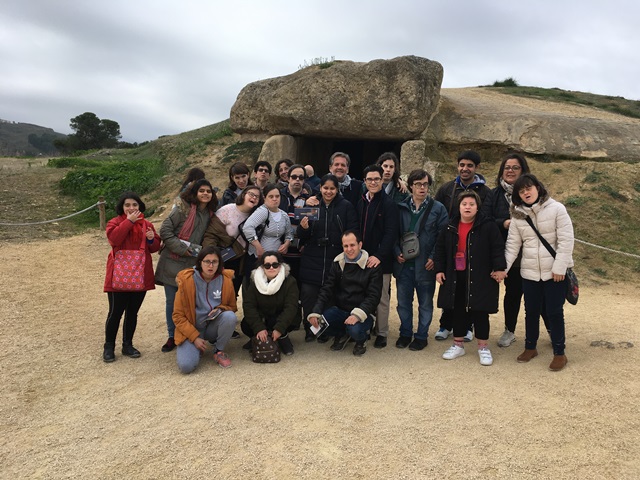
x,y
128,269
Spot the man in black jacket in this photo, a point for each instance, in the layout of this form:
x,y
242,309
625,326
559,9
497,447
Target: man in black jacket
x,y
354,291
378,217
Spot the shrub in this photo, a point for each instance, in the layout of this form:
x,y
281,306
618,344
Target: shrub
x,y
507,82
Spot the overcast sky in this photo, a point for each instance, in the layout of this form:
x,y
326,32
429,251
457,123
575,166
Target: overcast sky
x,y
163,67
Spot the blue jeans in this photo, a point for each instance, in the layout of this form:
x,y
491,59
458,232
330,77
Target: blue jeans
x,y
170,296
406,283
336,317
547,295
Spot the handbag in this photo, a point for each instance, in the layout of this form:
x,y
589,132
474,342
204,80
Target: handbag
x,y
573,286
264,352
128,269
410,241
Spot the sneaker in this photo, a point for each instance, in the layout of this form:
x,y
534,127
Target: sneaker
x,y
339,343
235,335
169,345
469,336
454,351
359,349
417,345
222,359
443,334
403,342
130,351
380,342
485,356
506,339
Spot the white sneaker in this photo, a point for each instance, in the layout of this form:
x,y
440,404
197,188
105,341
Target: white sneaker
x,y
454,351
442,334
485,356
506,339
469,336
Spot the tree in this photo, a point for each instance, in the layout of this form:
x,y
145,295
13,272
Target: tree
x,y
91,133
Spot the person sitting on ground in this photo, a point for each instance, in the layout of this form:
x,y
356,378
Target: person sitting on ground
x,y
354,291
270,303
204,310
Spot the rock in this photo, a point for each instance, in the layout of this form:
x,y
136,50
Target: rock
x,y
412,154
278,147
382,99
484,120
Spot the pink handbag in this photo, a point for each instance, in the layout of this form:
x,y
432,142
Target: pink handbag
x,y
128,269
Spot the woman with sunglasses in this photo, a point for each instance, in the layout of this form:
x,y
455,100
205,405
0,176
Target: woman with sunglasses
x,y
204,310
270,303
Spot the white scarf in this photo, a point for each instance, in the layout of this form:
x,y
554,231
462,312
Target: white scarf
x,y
264,286
508,191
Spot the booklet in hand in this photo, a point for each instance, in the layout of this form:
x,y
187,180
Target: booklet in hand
x,y
322,326
311,212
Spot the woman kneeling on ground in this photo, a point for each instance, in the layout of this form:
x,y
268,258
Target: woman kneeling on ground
x,y
204,310
271,302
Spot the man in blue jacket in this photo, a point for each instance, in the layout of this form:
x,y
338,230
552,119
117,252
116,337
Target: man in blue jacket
x,y
427,218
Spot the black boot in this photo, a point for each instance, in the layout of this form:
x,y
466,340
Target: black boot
x,y
128,350
109,354
285,345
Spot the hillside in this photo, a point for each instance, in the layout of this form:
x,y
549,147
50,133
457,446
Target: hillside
x,y
26,140
602,196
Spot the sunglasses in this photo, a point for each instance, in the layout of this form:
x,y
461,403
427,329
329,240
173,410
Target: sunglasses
x,y
264,170
268,266
296,177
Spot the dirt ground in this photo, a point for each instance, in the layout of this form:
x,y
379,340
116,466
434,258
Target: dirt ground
x,y
318,414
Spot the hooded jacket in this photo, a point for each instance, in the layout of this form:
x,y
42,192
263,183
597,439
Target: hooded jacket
x,y
448,193
553,222
184,308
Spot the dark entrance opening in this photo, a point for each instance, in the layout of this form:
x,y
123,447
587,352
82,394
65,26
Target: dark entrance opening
x,y
317,151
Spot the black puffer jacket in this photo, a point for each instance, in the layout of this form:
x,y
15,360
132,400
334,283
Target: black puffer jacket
x,y
485,254
496,207
379,227
323,239
351,287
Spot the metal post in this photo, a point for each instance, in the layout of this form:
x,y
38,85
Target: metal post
x,y
101,209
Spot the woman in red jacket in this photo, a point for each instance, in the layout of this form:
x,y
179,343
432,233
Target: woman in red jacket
x,y
133,239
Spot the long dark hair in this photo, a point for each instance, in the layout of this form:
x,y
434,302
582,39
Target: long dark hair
x,y
239,168
133,196
512,156
396,170
191,194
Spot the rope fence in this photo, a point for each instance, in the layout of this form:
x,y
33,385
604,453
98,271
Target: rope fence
x,y
101,203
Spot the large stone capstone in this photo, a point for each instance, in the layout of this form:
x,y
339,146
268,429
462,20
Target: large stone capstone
x,y
382,99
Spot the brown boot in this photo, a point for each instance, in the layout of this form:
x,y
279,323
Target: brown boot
x,y
527,355
558,363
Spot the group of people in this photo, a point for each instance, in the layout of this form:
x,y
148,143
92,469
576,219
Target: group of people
x,y
321,252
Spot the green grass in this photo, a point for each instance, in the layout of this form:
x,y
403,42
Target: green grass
x,y
243,151
594,177
613,193
619,105
109,178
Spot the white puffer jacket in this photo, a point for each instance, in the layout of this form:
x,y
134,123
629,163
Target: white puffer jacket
x,y
553,222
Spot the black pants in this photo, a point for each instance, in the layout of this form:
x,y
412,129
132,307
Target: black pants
x,y
128,303
462,318
270,322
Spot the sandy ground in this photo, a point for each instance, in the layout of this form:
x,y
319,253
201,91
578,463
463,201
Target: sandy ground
x,y
318,414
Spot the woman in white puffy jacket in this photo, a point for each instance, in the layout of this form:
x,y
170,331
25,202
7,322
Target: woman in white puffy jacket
x,y
543,276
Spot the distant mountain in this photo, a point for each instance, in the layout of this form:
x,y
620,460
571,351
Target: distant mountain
x,y
24,139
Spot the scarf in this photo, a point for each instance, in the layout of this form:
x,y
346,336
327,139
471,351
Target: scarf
x,y
266,287
508,191
345,183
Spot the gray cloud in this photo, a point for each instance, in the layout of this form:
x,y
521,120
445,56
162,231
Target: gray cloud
x,y
162,67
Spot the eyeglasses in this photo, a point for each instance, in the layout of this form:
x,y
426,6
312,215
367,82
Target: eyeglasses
x,y
268,266
263,170
421,184
253,195
211,262
514,168
373,180
296,177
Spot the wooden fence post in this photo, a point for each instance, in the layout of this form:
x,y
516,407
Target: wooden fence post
x,y
101,209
